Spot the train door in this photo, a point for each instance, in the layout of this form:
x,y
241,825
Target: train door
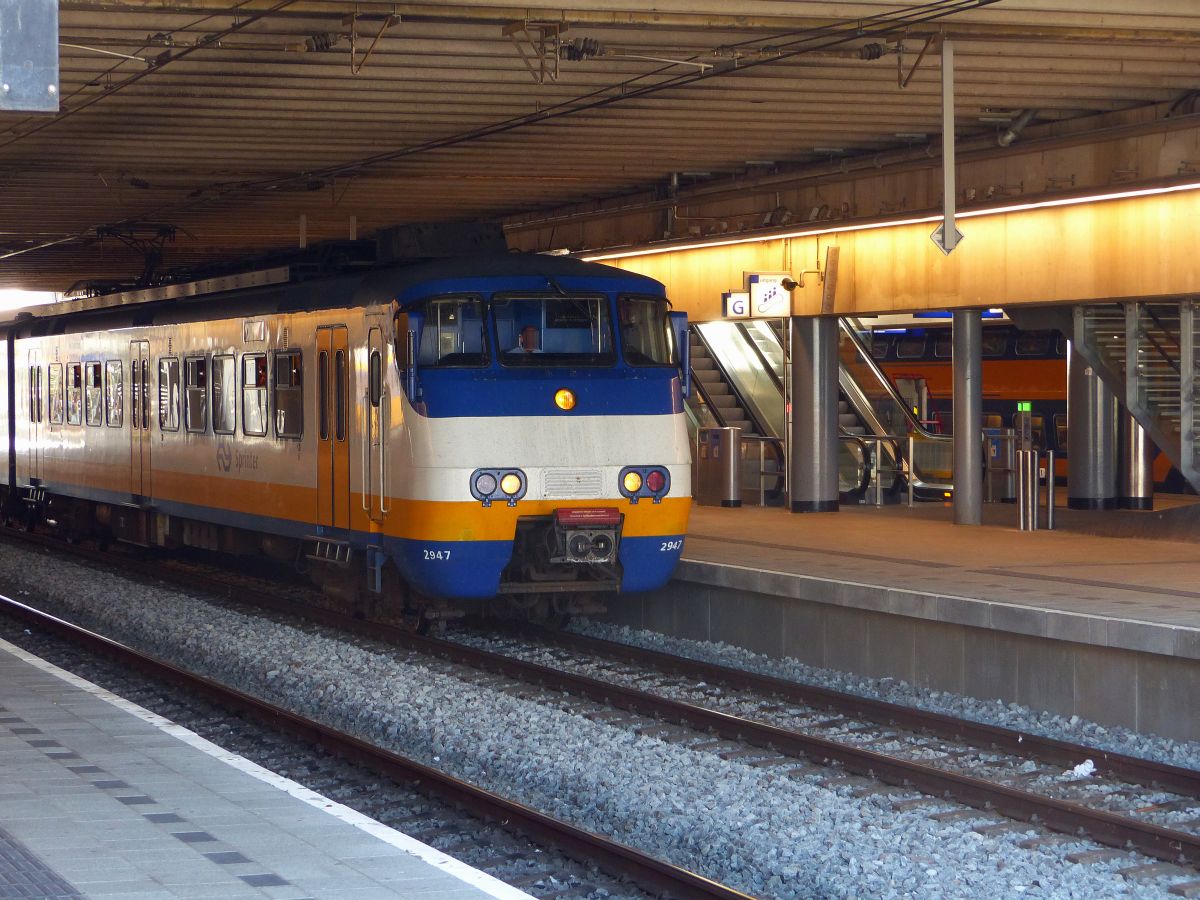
x,y
375,482
333,431
33,447
139,418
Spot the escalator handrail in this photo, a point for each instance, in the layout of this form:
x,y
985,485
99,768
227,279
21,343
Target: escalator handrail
x,y
748,408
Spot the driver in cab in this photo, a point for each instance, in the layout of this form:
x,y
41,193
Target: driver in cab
x,y
529,341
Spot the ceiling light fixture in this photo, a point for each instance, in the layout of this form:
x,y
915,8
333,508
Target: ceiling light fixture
x,y
896,223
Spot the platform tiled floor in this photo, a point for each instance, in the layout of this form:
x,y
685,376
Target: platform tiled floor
x,y
101,799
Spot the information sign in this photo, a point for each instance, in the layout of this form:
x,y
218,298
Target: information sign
x,y
769,299
29,55
735,305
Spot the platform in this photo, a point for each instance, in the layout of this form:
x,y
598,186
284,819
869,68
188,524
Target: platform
x,y
1071,621
101,798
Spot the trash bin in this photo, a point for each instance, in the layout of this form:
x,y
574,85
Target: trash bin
x,y
719,467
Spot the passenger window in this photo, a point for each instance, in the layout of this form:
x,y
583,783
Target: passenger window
x,y
1060,431
995,342
114,399
74,394
376,378
168,394
35,393
196,386
880,344
224,394
1033,343
254,394
910,346
95,395
323,393
339,399
943,346
289,394
54,384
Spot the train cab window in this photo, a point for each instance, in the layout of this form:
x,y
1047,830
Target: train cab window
x,y
35,393
224,394
910,346
571,330
995,342
195,416
254,394
94,394
880,345
168,394
453,333
289,394
1033,343
74,394
114,392
54,387
645,334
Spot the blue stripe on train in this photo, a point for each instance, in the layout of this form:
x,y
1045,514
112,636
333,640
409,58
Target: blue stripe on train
x,y
471,569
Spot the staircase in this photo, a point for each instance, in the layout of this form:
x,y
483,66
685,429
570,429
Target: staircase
x,y
725,406
1145,353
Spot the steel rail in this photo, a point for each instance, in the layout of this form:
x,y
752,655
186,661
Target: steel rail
x,y
1107,828
642,868
1028,744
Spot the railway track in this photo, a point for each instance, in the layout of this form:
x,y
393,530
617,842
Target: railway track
x,y
856,726
648,872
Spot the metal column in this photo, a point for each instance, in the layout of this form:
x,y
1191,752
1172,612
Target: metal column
x,y
968,417
1091,438
813,469
1137,466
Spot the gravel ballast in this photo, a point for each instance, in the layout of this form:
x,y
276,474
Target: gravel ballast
x,y
753,828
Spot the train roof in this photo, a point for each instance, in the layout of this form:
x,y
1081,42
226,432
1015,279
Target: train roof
x,y
279,289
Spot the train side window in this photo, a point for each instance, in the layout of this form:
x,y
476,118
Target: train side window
x,y
323,394
995,342
74,394
943,346
54,385
910,346
114,395
1060,431
195,417
1033,343
168,394
880,344
376,378
339,394
254,394
35,393
224,394
289,394
94,394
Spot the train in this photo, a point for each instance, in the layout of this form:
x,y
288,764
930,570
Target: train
x,y
1019,365
388,430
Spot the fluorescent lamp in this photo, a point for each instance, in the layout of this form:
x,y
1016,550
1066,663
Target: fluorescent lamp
x,y
896,223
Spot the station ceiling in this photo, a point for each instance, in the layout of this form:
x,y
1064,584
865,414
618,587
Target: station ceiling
x,y
221,129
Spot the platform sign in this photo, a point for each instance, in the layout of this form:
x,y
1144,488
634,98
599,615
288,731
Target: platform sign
x,y
768,297
29,55
735,305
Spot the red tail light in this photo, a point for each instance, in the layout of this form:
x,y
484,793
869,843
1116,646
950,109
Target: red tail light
x,y
656,481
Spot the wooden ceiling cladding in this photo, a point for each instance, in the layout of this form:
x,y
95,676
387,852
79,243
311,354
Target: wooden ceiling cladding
x,y
235,129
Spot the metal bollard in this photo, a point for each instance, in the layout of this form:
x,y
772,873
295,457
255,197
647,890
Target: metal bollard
x,y
1049,490
912,470
1035,494
1022,491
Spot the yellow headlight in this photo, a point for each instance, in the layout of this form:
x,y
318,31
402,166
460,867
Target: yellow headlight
x,y
564,399
633,482
510,484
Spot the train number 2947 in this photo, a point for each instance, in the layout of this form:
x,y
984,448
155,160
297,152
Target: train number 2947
x,y
440,555
669,546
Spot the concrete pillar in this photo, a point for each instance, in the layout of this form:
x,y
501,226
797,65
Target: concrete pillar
x,y
813,466
968,417
1091,438
1137,466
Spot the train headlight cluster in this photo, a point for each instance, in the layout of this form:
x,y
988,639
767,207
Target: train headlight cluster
x,y
638,482
498,484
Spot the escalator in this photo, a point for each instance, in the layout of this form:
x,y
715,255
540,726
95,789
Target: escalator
x,y
740,370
